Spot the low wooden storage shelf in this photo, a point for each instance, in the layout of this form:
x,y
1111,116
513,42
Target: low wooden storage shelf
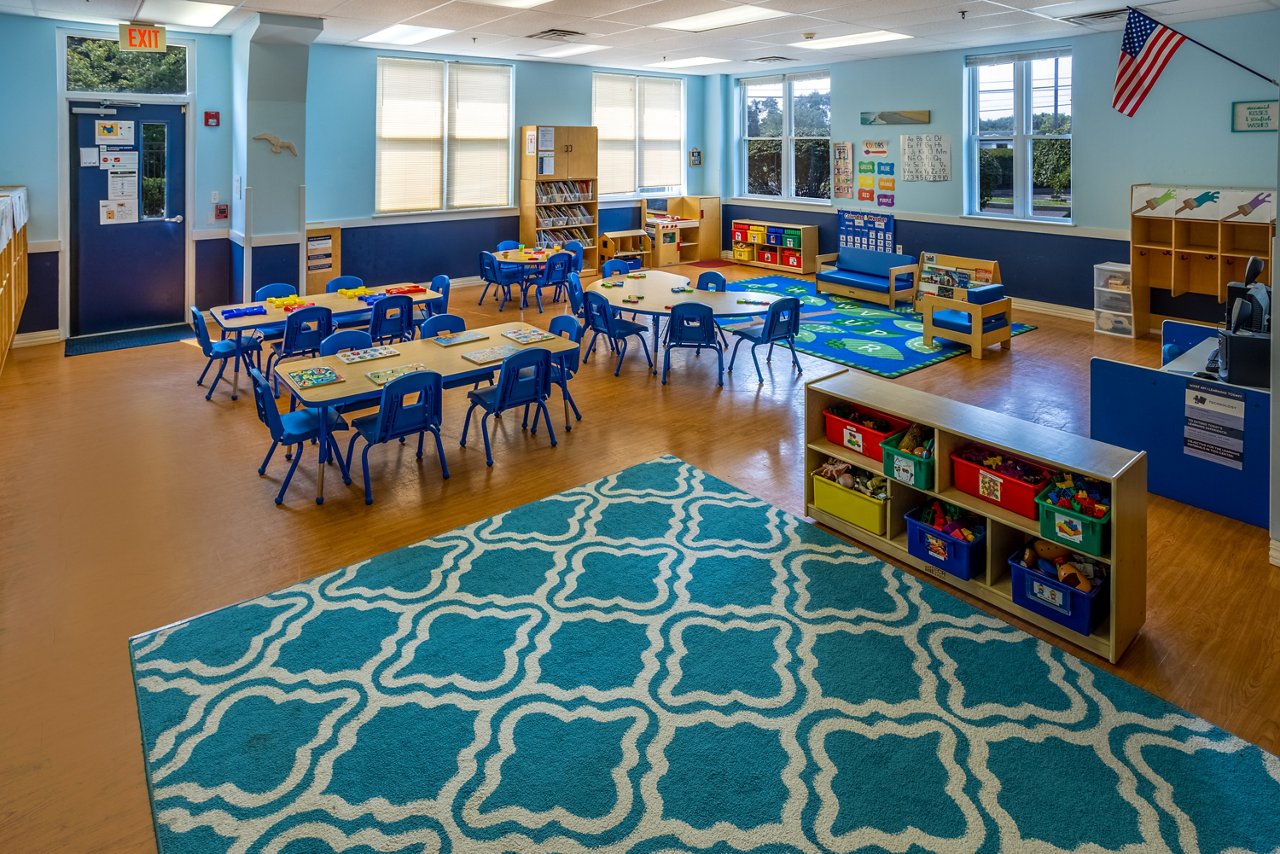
x,y
956,424
13,264
802,240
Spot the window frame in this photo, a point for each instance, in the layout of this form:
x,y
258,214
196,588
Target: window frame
x,y
445,134
789,138
640,190
1022,139
181,40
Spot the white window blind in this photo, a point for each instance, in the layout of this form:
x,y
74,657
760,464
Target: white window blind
x,y
443,136
641,130
409,173
479,135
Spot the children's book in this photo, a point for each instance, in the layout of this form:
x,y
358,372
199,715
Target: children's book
x,y
351,357
386,375
527,336
491,354
448,340
312,377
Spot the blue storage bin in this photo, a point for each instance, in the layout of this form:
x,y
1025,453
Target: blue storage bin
x,y
633,262
773,236
961,558
1062,603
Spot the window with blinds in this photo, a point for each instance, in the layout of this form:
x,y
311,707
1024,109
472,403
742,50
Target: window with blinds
x,y
443,135
641,129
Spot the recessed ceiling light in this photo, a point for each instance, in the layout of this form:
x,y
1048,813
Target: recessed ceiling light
x,y
563,50
849,41
724,18
686,63
403,34
183,14
511,4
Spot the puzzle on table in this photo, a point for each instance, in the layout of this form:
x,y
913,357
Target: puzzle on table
x,y
351,357
312,377
491,354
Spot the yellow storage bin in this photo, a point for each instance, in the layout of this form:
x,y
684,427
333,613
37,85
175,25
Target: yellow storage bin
x,y
744,252
755,234
853,507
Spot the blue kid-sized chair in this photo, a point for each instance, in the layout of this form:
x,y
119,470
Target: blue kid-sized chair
x,y
392,319
275,290
292,428
565,363
710,280
615,267
227,348
575,246
524,380
693,325
780,326
553,276
441,285
343,283
573,287
496,275
601,321
346,339
304,329
397,419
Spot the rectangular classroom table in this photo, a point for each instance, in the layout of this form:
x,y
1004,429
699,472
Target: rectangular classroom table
x,y
356,386
341,306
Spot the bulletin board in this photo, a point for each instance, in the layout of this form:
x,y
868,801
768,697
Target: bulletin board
x,y
324,257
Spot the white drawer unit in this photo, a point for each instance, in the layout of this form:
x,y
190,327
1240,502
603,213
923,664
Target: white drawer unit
x,y
1113,302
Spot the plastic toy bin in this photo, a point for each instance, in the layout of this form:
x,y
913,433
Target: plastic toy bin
x,y
773,235
755,234
853,507
767,256
1003,490
864,440
739,233
791,258
955,555
905,467
743,252
791,238
1062,603
1072,528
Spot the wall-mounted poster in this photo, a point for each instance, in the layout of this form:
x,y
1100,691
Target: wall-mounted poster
x,y
926,157
897,117
842,170
875,148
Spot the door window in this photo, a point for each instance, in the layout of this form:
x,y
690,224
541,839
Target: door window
x,y
98,65
154,139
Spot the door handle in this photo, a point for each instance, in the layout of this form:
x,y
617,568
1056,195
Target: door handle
x,y
177,218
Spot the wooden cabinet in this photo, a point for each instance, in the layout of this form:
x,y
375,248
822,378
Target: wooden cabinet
x,y
1196,239
683,229
558,189
1124,548
13,264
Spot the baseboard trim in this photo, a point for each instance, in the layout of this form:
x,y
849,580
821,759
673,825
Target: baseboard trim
x,y
1275,553
31,339
1054,310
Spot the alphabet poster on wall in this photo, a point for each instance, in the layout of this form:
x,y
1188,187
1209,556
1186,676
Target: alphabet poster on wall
x,y
842,170
926,157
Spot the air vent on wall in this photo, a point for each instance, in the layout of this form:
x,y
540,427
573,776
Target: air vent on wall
x,y
557,35
769,60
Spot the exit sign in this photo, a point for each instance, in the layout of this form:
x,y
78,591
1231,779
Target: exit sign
x,y
142,37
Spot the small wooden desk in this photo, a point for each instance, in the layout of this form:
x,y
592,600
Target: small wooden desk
x,y
356,386
655,288
340,305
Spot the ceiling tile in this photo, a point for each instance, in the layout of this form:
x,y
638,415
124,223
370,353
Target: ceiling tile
x,y
312,8
460,16
669,10
590,8
383,11
121,10
527,23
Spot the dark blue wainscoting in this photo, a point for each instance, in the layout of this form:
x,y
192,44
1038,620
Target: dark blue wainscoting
x,y
414,252
620,219
41,311
213,272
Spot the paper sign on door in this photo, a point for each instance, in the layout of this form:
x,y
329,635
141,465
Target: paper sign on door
x,y
117,212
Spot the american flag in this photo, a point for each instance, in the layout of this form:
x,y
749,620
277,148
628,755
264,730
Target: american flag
x,y
1146,50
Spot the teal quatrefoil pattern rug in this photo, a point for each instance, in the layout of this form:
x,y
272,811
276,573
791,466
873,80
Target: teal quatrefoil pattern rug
x,y
657,662
871,338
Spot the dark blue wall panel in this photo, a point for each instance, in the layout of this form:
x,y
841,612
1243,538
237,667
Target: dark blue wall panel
x,y
237,272
213,273
41,310
414,252
275,264
619,219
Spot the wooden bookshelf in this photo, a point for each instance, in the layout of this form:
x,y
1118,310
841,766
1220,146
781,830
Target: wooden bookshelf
x,y
800,242
559,190
13,264
956,424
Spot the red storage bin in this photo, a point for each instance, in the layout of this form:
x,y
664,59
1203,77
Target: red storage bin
x,y
857,437
767,256
790,259
1011,493
740,234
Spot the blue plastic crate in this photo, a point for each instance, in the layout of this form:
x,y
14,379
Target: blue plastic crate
x,y
1062,603
961,558
634,263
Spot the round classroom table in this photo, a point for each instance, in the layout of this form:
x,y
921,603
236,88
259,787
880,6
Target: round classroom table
x,y
531,260
657,298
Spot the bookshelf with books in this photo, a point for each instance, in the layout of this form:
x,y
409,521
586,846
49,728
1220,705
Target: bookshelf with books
x,y
559,189
943,275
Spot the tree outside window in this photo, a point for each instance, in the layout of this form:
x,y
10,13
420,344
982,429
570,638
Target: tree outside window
x,y
787,136
98,65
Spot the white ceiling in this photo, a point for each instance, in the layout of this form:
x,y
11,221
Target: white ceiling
x,y
627,27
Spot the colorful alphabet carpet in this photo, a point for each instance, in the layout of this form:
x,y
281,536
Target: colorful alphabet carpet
x,y
658,662
859,335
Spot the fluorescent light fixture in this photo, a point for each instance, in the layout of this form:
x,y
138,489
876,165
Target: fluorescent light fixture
x,y
511,4
563,50
403,34
686,63
182,13
730,17
850,41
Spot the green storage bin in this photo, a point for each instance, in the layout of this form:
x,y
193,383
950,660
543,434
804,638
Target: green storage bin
x,y
791,238
1072,529
855,508
906,468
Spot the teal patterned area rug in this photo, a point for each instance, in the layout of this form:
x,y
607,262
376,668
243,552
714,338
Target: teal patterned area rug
x,y
658,662
875,339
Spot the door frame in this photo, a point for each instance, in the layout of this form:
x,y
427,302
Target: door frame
x,y
64,161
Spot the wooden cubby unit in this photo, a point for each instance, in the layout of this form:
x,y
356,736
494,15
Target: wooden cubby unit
x,y
561,203
956,424
748,251
14,264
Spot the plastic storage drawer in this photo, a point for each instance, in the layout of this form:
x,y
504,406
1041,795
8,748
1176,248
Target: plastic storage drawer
x,y
791,259
1071,528
961,558
1062,603
744,252
755,234
859,438
904,467
1017,496
767,256
855,508
739,233
791,238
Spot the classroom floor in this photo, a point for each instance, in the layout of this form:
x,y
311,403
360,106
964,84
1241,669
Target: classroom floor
x,y
127,502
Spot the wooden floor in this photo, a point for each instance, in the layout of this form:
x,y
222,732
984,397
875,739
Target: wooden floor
x,y
127,502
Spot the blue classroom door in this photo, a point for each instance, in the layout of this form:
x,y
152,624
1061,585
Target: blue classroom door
x,y
128,240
